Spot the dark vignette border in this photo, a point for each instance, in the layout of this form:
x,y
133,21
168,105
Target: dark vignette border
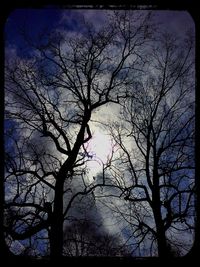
x,y
187,5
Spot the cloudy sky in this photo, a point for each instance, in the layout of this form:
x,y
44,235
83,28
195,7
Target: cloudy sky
x,y
37,21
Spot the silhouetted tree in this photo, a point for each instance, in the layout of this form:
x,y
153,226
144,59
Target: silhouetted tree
x,y
155,165
51,92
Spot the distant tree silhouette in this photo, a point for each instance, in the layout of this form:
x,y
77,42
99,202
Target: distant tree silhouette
x,y
84,238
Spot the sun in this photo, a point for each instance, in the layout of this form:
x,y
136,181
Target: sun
x,y
100,150
100,146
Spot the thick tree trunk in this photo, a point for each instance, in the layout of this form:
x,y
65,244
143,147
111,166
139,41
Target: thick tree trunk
x,y
163,248
56,231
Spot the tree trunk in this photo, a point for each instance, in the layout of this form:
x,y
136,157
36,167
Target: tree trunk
x,y
56,231
163,248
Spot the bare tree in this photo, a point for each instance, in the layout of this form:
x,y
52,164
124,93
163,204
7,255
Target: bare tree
x,y
51,93
156,163
87,238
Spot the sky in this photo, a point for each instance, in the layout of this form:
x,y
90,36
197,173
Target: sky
x,y
36,21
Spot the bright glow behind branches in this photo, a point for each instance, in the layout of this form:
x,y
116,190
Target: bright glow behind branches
x,y
99,149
